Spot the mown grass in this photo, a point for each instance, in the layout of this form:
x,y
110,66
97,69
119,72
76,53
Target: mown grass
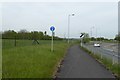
x,y
32,61
0,58
115,68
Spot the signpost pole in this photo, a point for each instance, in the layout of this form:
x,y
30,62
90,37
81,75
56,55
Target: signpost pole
x,y
81,42
113,61
52,42
52,28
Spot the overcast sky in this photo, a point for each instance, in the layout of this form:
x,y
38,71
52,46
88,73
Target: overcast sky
x,y
39,16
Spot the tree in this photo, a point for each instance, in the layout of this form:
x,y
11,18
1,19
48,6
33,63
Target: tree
x,y
93,39
86,38
117,37
23,34
100,38
10,34
45,33
34,35
41,35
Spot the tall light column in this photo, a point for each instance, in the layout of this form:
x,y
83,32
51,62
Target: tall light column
x,y
91,30
69,25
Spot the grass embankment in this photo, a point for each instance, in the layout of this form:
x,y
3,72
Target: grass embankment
x,y
34,61
115,68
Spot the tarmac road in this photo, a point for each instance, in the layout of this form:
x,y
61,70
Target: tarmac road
x,y
79,64
110,46
104,51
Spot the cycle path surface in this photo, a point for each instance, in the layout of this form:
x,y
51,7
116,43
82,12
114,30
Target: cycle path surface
x,y
79,64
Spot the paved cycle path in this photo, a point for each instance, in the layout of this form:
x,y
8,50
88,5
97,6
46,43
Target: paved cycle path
x,y
79,64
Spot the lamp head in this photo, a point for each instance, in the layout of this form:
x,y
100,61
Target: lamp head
x,y
73,14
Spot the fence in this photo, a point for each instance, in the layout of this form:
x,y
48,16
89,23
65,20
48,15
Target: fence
x,y
11,43
110,55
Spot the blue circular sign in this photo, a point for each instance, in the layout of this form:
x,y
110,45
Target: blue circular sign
x,y
52,28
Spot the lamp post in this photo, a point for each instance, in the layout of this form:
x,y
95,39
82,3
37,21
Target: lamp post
x,y
69,25
91,37
91,30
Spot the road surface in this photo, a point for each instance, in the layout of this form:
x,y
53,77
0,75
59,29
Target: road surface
x,y
108,53
110,46
79,64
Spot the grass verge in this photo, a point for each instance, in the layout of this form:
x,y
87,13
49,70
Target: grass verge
x,y
35,61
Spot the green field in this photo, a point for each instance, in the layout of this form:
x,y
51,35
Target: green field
x,y
0,58
28,60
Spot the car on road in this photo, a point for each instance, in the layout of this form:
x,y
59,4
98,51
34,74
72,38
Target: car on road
x,y
96,45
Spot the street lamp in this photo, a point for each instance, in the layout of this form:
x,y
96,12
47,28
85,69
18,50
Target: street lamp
x,y
91,30
69,25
